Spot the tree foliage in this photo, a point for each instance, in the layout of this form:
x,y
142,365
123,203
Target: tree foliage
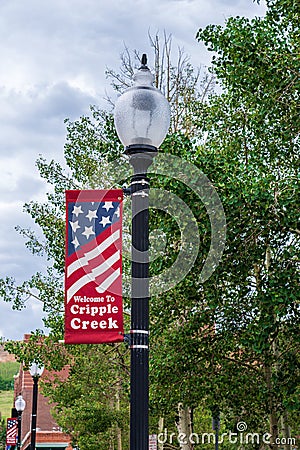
x,y
92,403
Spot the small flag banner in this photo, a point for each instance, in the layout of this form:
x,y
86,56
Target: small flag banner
x,y
93,272
12,431
152,442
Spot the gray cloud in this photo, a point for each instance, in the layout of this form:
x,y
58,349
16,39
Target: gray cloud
x,y
14,324
53,60
30,118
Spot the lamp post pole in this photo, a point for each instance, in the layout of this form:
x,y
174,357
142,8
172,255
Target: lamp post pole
x,y
216,425
142,118
34,412
35,371
20,406
139,342
19,429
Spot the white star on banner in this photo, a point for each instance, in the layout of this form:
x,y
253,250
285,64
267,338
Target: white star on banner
x,y
88,231
108,206
74,226
77,210
75,242
104,221
92,214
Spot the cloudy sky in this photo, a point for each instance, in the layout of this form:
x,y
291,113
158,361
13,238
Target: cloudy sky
x,y
53,60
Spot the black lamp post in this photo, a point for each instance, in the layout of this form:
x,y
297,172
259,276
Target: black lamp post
x,y
216,425
142,119
20,406
36,371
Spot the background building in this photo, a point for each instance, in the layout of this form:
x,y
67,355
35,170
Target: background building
x,y
48,434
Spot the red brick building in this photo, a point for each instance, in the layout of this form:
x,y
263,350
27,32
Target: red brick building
x,y
48,434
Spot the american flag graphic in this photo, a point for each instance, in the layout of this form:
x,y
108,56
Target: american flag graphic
x,y
11,431
93,288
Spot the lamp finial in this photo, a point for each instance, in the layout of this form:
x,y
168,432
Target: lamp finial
x,y
144,60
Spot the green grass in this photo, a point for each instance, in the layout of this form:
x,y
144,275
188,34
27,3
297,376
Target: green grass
x,y
8,370
6,403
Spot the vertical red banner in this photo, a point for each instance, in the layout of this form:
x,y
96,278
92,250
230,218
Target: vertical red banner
x,y
93,270
12,431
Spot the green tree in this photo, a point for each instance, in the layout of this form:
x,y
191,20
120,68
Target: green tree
x,y
245,329
258,126
92,403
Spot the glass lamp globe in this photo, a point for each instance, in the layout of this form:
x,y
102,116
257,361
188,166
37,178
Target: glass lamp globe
x,y
20,403
142,113
36,370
